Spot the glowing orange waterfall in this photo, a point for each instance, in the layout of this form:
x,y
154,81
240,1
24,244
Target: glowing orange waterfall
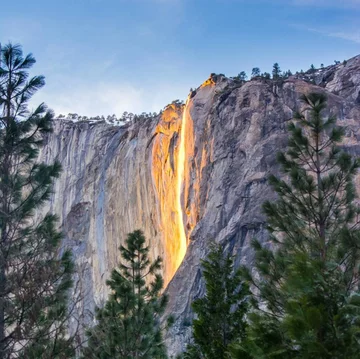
x,y
169,158
180,180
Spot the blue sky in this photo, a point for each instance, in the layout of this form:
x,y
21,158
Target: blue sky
x,y
109,56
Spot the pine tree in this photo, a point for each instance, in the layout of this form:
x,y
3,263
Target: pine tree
x,y
312,68
276,72
220,314
308,300
128,326
242,76
255,72
287,74
34,278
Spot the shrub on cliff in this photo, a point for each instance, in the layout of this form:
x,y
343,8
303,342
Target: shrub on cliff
x,y
307,299
128,326
34,278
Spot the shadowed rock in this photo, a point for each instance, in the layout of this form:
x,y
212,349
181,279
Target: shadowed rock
x,y
118,179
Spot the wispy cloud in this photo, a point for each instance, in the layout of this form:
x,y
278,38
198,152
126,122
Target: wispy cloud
x,y
93,99
329,3
348,35
98,99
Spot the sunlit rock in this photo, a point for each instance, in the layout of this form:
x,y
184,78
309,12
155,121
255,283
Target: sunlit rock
x,y
196,173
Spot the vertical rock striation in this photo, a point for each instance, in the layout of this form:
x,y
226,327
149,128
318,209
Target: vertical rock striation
x,y
238,130
105,191
212,157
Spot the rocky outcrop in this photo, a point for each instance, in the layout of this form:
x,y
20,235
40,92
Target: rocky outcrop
x,y
211,157
105,191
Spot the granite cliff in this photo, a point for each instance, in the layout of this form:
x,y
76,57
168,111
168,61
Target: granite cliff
x,y
194,174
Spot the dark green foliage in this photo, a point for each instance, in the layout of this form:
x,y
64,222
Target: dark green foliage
x,y
307,302
34,278
242,76
312,69
276,72
128,326
266,75
220,313
255,72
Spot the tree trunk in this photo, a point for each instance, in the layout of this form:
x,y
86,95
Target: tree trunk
x,y
5,212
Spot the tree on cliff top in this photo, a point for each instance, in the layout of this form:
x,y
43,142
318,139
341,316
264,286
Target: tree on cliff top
x,y
220,314
255,72
34,278
276,72
128,326
241,76
308,299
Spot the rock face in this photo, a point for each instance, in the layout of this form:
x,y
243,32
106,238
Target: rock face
x,y
195,174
